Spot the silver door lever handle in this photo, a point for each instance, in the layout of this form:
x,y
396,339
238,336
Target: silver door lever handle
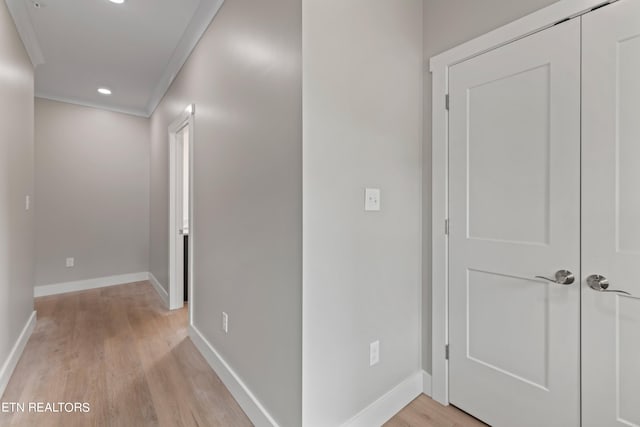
x,y
600,283
563,277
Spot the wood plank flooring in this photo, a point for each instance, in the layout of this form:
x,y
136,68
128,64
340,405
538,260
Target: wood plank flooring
x,y
425,412
121,351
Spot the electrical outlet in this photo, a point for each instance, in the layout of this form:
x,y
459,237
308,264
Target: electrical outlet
x,y
371,199
374,353
70,262
225,322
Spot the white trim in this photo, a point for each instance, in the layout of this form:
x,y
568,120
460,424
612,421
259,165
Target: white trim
x,y
132,112
202,18
439,257
426,383
256,412
439,66
83,285
10,364
20,15
532,23
164,295
392,402
176,293
192,225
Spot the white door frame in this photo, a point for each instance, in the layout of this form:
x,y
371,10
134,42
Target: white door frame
x,y
439,67
176,292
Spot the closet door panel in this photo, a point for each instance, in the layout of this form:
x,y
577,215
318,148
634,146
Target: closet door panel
x,y
611,215
515,214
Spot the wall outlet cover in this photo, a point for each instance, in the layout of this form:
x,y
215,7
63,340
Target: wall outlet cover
x,y
371,199
374,353
225,322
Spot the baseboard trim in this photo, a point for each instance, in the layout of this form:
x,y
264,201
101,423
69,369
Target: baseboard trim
x,y
83,285
16,352
257,413
426,383
383,409
164,295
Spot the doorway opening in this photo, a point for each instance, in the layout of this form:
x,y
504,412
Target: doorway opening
x,y
180,210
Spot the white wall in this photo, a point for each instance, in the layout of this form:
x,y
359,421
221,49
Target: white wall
x,y
16,181
92,187
446,25
362,95
244,77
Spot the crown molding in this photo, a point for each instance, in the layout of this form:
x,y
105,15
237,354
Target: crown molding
x,y
130,111
20,15
202,18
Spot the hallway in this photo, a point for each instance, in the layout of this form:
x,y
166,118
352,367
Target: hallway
x,y
121,351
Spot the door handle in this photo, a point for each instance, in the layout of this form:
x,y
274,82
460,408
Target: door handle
x,y
600,283
563,277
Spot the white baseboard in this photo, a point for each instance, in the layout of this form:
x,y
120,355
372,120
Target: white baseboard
x,y
159,289
83,285
10,364
426,383
383,409
239,390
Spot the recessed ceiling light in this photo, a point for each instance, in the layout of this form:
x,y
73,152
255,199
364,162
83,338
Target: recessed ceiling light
x,y
104,91
117,1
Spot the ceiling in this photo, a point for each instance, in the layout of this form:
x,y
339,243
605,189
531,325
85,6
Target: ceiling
x,y
135,48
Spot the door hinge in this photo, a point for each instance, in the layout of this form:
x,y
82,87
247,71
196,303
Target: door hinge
x,y
446,102
446,227
446,352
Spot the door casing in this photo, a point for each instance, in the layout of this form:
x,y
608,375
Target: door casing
x,y
176,300
439,67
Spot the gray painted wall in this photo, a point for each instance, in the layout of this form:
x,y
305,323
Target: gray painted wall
x,y
362,96
245,79
92,187
16,181
448,23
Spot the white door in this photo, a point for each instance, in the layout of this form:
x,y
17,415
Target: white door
x,y
514,179
179,202
611,215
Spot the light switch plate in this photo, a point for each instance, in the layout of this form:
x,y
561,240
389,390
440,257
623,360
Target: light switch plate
x,y
70,262
27,203
371,199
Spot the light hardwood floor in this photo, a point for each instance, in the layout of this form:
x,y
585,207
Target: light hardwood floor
x,y
425,412
120,350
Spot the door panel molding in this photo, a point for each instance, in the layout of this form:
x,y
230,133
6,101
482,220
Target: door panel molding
x,y
439,67
514,171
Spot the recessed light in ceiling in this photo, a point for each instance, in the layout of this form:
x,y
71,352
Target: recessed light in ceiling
x,y
117,1
104,91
